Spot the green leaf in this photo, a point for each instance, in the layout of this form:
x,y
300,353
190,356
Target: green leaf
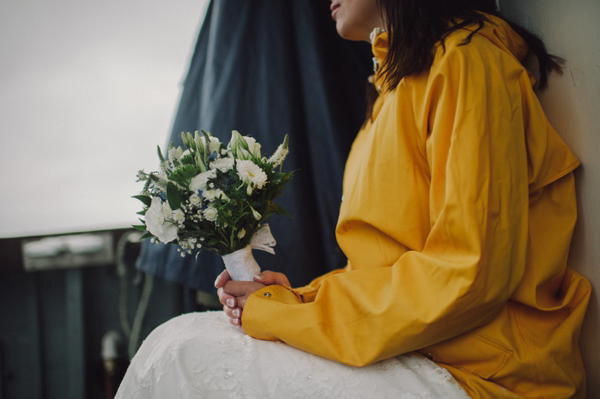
x,y
147,235
140,227
160,155
142,212
207,146
147,200
280,210
173,196
188,159
185,174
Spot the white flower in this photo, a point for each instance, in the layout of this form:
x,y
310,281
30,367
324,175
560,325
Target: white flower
x,y
251,173
210,214
156,224
253,146
279,155
213,145
178,215
213,194
239,143
222,164
166,209
255,213
174,154
281,152
195,199
161,184
142,176
200,181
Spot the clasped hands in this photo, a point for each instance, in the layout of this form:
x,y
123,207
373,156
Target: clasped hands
x,y
234,294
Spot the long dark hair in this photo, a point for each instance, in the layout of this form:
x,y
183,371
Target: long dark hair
x,y
415,26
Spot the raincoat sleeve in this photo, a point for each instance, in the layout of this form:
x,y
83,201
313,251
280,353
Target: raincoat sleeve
x,y
475,254
308,292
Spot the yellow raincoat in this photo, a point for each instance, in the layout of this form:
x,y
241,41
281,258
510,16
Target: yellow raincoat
x,y
457,215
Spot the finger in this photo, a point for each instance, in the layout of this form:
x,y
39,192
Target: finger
x,y
241,288
225,299
232,313
241,301
269,277
235,322
222,279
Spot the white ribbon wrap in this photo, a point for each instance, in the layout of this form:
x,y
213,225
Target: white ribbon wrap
x,y
241,264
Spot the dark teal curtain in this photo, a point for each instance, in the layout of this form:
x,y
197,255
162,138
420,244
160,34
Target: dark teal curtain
x,y
267,68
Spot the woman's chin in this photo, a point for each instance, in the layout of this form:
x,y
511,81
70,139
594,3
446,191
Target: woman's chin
x,y
350,34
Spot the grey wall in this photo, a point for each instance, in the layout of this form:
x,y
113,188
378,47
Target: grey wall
x,y
571,29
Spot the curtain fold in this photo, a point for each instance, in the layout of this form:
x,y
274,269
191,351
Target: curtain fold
x,y
267,68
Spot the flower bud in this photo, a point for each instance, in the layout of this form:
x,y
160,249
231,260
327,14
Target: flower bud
x,y
185,140
256,215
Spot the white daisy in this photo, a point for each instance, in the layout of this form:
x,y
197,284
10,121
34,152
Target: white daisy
x,y
251,173
210,214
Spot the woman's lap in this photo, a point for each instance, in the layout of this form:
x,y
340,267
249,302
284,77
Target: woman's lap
x,y
200,355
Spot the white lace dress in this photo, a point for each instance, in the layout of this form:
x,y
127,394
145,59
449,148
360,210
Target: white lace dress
x,y
200,355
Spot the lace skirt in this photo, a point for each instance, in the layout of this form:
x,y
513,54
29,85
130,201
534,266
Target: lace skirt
x,y
200,355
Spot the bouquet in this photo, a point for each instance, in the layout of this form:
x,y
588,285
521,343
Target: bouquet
x,y
215,197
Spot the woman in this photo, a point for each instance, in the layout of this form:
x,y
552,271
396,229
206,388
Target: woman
x,y
456,218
